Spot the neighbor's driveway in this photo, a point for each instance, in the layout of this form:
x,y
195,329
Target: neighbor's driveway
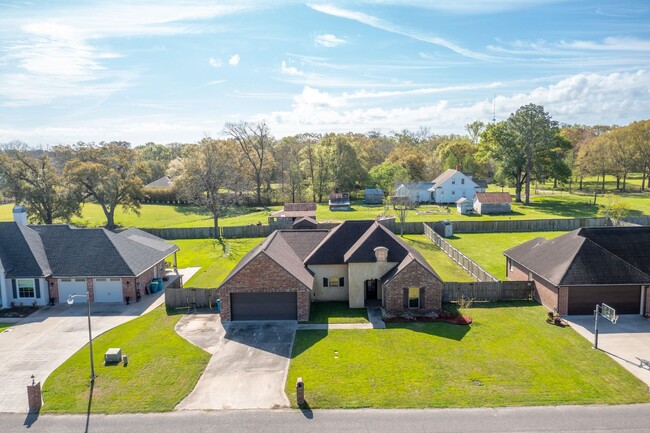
x,y
625,342
249,364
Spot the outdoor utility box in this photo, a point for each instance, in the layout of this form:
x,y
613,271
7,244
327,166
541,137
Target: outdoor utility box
x,y
113,356
444,228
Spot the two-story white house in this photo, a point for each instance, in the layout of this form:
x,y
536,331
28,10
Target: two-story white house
x,y
451,185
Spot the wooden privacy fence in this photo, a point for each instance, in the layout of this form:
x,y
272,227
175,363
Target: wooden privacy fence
x,y
488,291
539,225
469,265
180,298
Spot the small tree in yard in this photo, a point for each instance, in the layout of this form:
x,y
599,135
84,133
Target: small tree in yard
x,y
613,208
402,208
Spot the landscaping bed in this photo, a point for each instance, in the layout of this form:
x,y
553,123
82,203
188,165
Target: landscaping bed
x,y
444,316
509,350
17,312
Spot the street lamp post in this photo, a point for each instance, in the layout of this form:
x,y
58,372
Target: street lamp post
x,y
90,335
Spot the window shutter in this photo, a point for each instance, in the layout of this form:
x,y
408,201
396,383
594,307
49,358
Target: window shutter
x,y
37,287
406,298
341,282
422,293
325,282
14,289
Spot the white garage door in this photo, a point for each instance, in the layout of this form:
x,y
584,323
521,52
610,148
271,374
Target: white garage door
x,y
108,290
72,286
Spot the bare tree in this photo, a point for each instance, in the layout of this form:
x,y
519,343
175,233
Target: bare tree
x,y
255,143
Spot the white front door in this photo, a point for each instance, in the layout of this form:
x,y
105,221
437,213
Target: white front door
x,y
72,286
108,290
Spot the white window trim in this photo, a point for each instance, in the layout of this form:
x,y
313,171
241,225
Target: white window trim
x,y
33,287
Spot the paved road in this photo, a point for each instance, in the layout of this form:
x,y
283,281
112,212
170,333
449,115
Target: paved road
x,y
249,365
626,341
575,419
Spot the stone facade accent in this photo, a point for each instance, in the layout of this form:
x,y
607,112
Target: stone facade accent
x,y
90,286
563,300
263,274
34,397
53,285
413,275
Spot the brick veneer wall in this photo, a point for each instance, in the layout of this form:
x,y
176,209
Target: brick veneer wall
x,y
263,274
545,293
647,301
53,285
414,275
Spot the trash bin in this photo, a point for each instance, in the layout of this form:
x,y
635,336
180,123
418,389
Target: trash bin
x,y
218,305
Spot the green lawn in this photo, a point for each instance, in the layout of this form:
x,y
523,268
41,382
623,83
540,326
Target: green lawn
x,y
4,326
439,261
549,205
209,255
163,369
487,249
509,356
336,312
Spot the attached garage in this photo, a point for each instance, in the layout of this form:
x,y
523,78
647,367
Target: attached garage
x,y
264,306
625,299
72,286
108,290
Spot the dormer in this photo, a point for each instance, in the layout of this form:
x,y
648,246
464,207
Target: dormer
x,y
381,254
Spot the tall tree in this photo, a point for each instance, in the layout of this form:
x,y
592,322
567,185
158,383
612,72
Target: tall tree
x,y
255,142
110,174
499,143
32,178
457,153
474,131
534,131
345,166
386,175
413,159
308,160
624,152
595,159
287,157
209,176
640,137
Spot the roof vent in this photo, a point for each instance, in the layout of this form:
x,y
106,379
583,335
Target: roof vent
x,y
20,215
381,253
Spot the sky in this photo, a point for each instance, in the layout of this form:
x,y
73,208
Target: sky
x,y
176,71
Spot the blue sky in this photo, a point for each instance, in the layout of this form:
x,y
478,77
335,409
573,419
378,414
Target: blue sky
x,y
168,71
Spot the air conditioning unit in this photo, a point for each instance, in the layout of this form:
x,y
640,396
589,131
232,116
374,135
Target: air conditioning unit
x,y
113,356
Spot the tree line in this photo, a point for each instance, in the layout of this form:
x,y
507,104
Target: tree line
x,y
247,164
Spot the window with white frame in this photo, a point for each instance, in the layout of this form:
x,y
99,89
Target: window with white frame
x,y
414,297
26,288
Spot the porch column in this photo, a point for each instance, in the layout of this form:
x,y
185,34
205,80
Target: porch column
x,y
175,260
3,290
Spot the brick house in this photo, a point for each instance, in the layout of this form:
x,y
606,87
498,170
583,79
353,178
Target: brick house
x,y
585,267
357,262
44,263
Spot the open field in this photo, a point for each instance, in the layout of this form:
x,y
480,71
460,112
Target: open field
x,y
487,249
509,356
550,205
444,266
209,255
163,368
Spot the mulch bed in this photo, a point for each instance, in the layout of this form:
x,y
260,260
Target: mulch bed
x,y
445,316
17,312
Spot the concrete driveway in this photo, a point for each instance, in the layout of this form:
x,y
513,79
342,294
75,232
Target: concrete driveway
x,y
249,364
626,341
41,342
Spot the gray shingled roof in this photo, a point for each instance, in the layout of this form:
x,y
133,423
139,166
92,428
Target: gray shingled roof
x,y
363,251
163,182
339,240
22,252
74,252
575,259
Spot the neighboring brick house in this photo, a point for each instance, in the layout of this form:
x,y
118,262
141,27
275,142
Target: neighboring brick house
x,y
41,263
585,267
356,262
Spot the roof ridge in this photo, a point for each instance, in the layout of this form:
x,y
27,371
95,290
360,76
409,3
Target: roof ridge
x,y
362,239
109,235
322,242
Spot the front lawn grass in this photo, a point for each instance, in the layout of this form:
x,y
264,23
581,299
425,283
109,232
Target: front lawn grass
x,y
163,368
336,312
210,255
509,356
487,249
4,326
444,266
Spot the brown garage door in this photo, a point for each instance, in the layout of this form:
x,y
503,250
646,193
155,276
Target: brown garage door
x,y
264,306
625,299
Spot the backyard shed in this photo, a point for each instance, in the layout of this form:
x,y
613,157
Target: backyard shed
x,y
374,196
339,201
492,202
293,211
464,206
444,228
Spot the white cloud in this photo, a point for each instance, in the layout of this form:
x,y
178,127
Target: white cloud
x,y
234,60
215,63
290,70
329,40
378,23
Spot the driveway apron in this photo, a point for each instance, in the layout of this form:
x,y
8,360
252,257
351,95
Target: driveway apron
x,y
249,365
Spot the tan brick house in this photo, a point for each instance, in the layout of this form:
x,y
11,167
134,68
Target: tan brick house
x,y
357,262
588,266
